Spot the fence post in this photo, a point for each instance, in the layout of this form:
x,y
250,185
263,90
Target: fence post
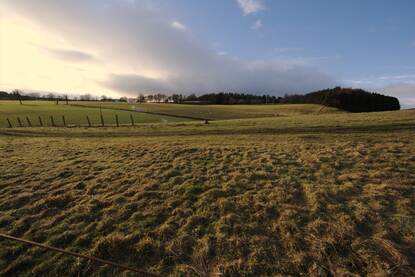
x,y
10,124
40,121
132,120
102,121
63,120
89,122
52,121
20,122
116,120
28,121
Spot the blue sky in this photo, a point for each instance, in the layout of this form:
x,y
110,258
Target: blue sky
x,y
126,47
353,40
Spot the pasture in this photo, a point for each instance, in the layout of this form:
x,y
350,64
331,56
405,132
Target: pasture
x,y
220,112
74,115
304,193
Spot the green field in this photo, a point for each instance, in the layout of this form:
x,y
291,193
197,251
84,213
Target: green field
x,y
303,193
74,115
221,112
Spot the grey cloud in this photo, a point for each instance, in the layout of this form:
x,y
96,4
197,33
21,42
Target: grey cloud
x,y
70,55
137,36
130,82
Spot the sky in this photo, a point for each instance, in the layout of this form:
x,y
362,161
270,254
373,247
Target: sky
x,y
127,47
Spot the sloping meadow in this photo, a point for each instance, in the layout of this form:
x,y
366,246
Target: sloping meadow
x,y
230,205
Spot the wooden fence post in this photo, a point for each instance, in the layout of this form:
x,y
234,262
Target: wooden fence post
x,y
52,121
89,121
132,120
102,121
10,124
28,121
20,122
63,120
40,121
116,120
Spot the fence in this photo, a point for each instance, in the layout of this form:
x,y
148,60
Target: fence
x,y
91,258
61,121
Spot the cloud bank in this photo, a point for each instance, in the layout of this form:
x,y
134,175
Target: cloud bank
x,y
144,50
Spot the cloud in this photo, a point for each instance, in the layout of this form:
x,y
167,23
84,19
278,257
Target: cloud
x,y
257,25
70,55
179,26
140,49
397,77
251,6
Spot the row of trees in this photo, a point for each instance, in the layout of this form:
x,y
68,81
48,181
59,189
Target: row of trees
x,y
354,100
220,98
21,95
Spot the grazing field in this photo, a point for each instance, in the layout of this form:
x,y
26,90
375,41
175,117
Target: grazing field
x,y
291,195
74,115
220,112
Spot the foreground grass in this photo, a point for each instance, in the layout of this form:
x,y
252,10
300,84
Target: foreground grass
x,y
74,115
288,196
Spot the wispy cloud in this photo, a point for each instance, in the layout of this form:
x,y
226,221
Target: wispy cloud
x,y
257,25
397,77
251,6
69,55
178,25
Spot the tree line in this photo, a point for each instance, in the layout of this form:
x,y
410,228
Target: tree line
x,y
353,100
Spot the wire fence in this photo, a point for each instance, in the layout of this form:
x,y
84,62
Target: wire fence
x,y
62,121
74,254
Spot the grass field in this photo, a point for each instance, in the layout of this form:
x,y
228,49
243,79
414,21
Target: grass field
x,y
290,195
74,115
221,112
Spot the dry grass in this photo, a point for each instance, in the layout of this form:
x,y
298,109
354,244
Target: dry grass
x,y
222,112
287,204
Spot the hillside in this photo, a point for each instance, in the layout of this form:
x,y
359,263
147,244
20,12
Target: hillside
x,y
290,195
219,112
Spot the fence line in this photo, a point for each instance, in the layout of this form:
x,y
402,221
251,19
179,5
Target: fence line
x,y
91,258
55,121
